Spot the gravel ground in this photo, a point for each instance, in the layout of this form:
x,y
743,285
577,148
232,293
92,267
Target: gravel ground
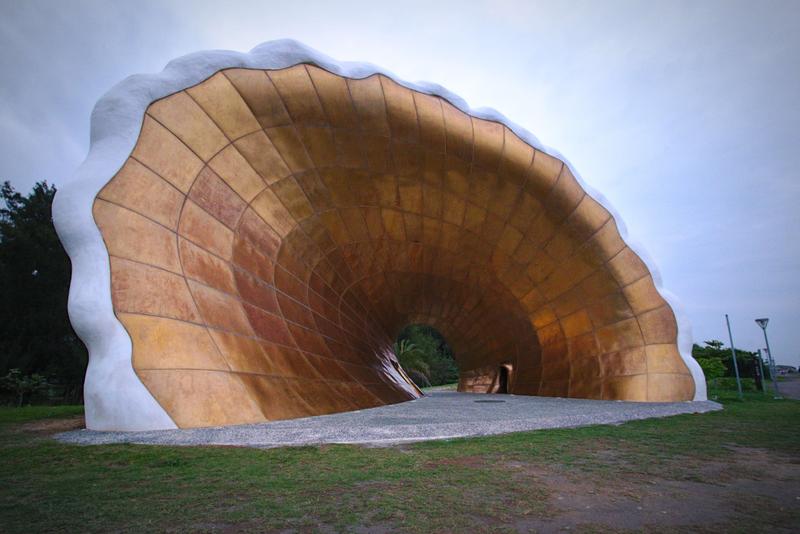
x,y
438,415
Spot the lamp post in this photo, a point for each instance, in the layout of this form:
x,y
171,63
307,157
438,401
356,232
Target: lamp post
x,y
733,354
763,324
761,368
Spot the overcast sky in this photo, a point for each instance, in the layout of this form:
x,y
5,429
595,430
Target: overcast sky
x,y
684,114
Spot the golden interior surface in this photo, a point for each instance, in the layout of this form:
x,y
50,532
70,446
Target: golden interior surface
x,y
273,231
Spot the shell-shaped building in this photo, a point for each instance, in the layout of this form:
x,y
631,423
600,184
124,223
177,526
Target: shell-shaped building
x,y
250,232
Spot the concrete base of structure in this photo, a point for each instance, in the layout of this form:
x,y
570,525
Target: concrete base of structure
x,y
439,415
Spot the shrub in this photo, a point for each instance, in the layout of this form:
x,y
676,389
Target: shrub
x,y
729,382
712,368
21,384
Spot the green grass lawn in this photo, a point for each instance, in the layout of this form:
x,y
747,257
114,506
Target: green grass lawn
x,y
464,485
32,413
443,387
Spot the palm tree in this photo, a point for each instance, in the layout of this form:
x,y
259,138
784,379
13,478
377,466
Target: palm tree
x,y
411,357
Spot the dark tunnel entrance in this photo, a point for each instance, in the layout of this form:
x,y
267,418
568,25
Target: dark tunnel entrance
x,y
502,379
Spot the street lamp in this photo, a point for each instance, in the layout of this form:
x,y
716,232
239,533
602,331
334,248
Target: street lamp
x,y
763,324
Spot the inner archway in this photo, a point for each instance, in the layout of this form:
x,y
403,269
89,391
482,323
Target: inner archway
x,y
426,357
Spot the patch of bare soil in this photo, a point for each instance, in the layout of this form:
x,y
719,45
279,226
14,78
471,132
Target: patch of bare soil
x,y
46,427
461,461
745,487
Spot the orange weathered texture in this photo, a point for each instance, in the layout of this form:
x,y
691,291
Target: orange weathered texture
x,y
273,231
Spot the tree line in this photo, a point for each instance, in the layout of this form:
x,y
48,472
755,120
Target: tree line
x,y
40,354
717,364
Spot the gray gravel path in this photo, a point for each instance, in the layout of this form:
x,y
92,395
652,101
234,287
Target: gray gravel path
x,y
438,415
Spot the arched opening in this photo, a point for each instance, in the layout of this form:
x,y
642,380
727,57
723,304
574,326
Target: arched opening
x,y
425,356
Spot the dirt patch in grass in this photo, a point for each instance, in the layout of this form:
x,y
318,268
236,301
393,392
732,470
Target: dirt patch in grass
x,y
46,427
475,462
746,483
